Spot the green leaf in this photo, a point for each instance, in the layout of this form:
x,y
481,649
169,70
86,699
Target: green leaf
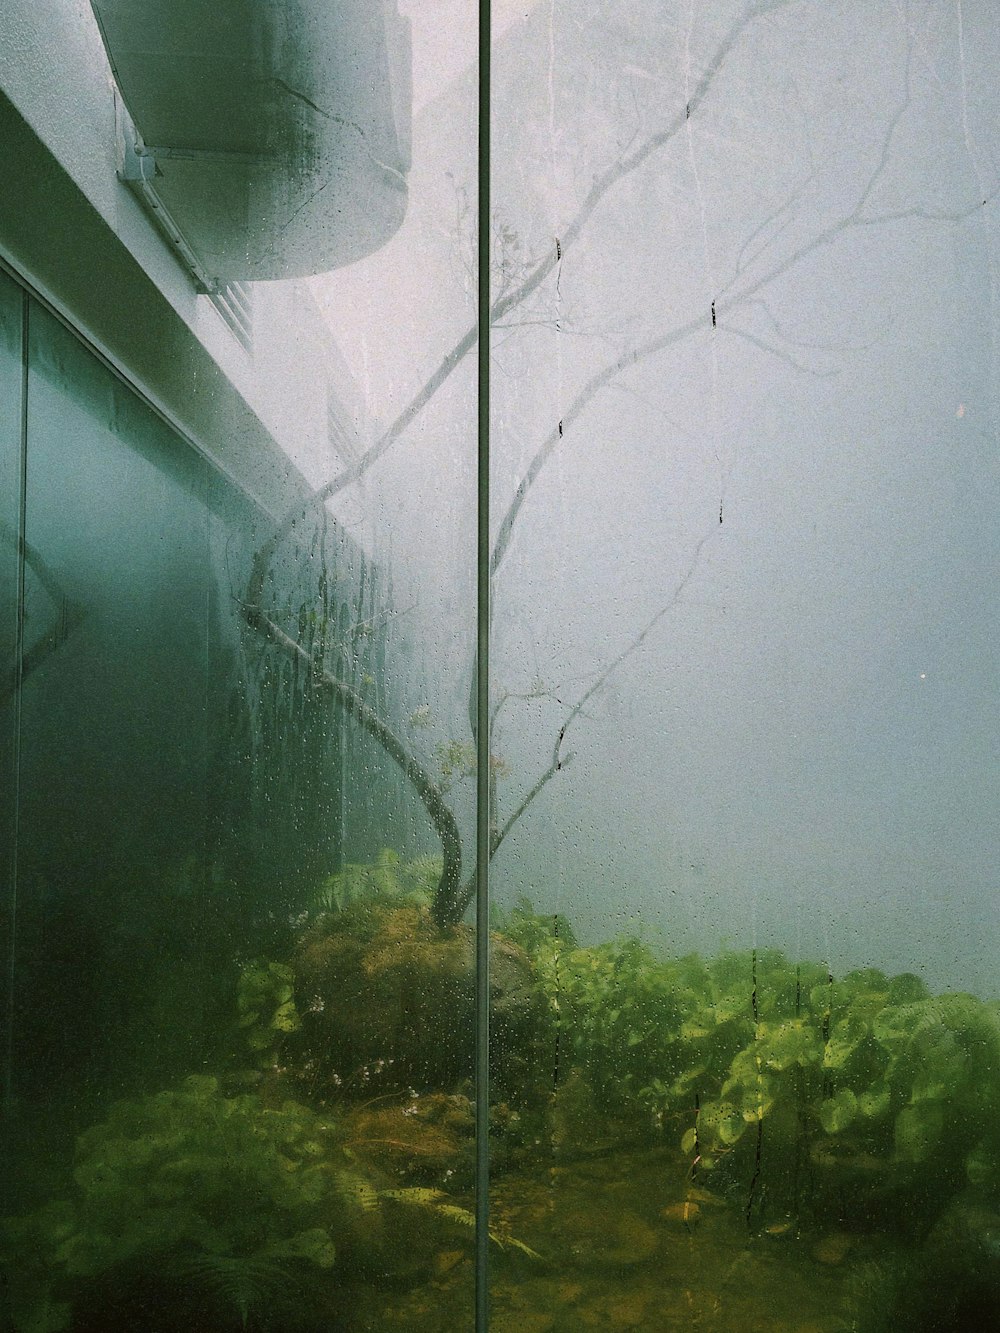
x,y
918,1131
286,1018
839,1112
876,1101
793,1042
757,1102
845,1037
723,1122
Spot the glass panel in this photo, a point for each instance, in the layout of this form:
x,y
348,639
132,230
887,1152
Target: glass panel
x,y
11,319
390,971
242,1065
745,666
114,741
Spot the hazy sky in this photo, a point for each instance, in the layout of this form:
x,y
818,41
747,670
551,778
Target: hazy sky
x,y
444,34
804,750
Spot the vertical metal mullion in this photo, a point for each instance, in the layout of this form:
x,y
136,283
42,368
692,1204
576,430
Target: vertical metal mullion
x,y
482,685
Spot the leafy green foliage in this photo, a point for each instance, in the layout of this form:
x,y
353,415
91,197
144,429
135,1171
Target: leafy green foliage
x,y
387,995
266,1004
388,879
237,1204
615,1011
865,1079
250,1204
523,926
865,1076
222,1192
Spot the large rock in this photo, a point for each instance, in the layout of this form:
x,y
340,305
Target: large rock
x,y
388,1004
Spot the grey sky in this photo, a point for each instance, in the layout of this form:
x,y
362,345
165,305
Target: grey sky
x,y
804,751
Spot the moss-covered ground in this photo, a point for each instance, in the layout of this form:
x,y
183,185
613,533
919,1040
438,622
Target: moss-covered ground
x,y
742,1142
626,1242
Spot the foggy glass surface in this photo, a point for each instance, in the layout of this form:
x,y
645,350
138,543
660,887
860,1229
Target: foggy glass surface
x,y
238,1089
11,306
744,660
187,792
745,1027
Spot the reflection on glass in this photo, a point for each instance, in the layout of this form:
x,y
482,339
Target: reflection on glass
x,y
11,456
745,1035
744,670
240,1076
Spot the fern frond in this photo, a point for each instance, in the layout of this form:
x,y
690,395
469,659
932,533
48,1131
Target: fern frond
x,y
243,1283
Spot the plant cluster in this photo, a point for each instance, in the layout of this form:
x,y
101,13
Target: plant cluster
x,y
388,878
865,1080
266,1005
386,996
202,1203
212,1206
218,1193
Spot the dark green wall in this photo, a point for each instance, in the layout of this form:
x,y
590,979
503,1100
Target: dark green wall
x,y
172,788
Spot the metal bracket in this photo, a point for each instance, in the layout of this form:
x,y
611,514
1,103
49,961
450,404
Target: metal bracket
x,y
138,168
138,163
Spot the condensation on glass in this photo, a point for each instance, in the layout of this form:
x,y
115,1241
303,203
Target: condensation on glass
x,y
744,1023
744,460
238,1027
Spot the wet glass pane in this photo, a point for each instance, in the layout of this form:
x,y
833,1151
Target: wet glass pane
x,y
744,666
10,522
113,738
390,969
241,1073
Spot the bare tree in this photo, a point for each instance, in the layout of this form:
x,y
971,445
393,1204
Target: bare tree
x,y
744,290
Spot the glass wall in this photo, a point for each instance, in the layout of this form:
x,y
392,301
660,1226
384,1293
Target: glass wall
x,y
237,793
743,663
744,1025
203,1092
11,489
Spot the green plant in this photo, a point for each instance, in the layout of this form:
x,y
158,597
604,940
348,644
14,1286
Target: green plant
x,y
229,1209
224,1193
865,1084
880,1092
389,878
613,1010
266,1004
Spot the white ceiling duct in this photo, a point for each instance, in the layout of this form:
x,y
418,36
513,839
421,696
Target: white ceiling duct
x,y
273,133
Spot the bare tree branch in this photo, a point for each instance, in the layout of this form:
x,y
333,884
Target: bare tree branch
x,y
778,352
724,305
559,760
447,908
856,217
515,295
740,292
629,161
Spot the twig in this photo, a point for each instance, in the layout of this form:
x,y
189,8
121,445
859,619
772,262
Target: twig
x,y
603,184
446,908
